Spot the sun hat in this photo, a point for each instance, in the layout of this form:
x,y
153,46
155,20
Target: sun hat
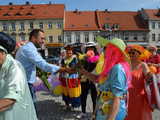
x,y
136,47
7,44
90,44
144,53
68,47
115,41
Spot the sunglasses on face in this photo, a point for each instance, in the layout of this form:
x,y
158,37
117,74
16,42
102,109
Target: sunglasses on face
x,y
133,53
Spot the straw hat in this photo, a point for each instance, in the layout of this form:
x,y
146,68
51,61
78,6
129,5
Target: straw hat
x,y
115,41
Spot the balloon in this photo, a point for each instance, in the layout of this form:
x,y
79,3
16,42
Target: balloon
x,y
55,83
99,65
58,90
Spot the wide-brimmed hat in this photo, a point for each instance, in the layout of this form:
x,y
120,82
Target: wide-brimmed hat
x,y
115,41
144,53
7,43
68,47
136,47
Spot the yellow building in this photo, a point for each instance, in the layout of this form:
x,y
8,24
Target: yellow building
x,y
19,20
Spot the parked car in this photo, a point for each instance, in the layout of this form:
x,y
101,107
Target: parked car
x,y
53,59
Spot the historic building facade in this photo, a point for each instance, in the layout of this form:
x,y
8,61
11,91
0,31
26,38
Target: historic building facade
x,y
152,18
19,20
61,27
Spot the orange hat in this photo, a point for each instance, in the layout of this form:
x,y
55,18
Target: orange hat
x,y
144,54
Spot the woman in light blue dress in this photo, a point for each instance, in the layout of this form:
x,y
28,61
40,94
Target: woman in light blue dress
x,y
15,99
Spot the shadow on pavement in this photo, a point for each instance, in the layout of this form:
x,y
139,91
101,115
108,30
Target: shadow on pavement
x,y
50,110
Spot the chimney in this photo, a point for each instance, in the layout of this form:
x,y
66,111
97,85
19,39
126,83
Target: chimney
x,y
158,12
106,10
10,3
76,10
27,3
50,2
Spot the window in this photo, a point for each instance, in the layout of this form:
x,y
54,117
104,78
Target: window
x,y
13,26
106,26
94,37
115,26
144,37
13,36
60,39
22,26
126,36
51,39
135,37
59,25
5,27
158,37
41,25
86,37
78,37
153,25
159,25
153,37
6,14
50,25
22,37
68,38
31,25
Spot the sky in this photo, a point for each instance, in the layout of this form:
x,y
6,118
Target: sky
x,y
88,5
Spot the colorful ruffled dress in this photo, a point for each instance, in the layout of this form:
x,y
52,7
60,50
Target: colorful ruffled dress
x,y
70,83
115,85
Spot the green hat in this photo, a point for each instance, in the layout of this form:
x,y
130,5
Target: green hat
x,y
115,41
2,48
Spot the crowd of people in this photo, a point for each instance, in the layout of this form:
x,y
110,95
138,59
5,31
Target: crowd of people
x,y
114,73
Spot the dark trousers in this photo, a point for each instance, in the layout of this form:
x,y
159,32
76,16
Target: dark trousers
x,y
32,91
85,87
33,94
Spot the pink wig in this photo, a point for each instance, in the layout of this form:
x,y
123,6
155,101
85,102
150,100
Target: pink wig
x,y
113,55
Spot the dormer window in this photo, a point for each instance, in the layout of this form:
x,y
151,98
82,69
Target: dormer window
x,y
6,14
22,8
115,26
72,25
106,26
32,7
29,14
11,8
18,14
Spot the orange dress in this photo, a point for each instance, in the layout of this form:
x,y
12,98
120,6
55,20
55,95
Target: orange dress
x,y
138,107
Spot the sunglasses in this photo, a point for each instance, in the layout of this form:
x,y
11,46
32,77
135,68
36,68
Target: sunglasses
x,y
133,52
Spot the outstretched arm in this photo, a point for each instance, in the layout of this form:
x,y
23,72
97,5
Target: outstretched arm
x,y
6,104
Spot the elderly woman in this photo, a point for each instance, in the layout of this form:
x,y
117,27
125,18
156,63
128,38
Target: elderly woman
x,y
112,81
138,107
15,99
154,59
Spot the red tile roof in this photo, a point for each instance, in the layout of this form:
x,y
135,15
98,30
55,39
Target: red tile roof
x,y
152,13
80,21
35,11
126,20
